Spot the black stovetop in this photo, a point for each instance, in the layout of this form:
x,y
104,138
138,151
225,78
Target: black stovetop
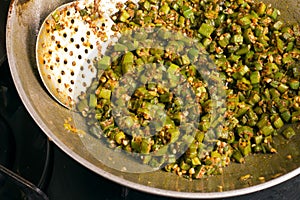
x,y
46,170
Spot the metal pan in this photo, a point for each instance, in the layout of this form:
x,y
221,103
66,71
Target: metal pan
x,y
24,20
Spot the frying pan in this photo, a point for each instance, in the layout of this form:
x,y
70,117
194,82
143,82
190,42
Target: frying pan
x,y
24,20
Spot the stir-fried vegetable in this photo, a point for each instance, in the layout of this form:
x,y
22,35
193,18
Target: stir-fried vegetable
x,y
256,56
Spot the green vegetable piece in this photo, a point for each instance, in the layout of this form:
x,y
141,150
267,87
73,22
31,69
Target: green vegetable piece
x,y
274,93
175,133
244,84
212,47
181,21
280,44
238,157
288,133
258,65
188,12
244,130
287,59
242,108
127,62
258,139
185,60
215,154
120,47
234,58
82,105
243,50
146,5
282,88
294,84
277,122
274,14
83,12
267,130
264,121
244,21
241,71
289,47
252,117
173,69
295,115
254,98
261,8
92,101
55,16
255,77
128,58
278,25
193,54
220,19
199,136
136,144
271,68
119,137
286,115
224,40
278,76
249,36
184,166
237,39
104,62
105,93
145,146
196,161
165,9
206,29
244,146
124,15
204,125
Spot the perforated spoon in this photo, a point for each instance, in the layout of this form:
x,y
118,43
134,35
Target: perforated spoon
x,y
69,40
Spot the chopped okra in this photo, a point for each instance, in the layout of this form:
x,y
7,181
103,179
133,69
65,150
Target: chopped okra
x,y
257,58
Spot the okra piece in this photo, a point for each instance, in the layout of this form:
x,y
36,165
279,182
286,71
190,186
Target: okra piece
x,y
277,121
243,50
244,21
255,77
261,8
286,115
295,116
92,101
124,15
294,84
104,62
206,30
288,133
244,146
238,157
105,93
267,130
